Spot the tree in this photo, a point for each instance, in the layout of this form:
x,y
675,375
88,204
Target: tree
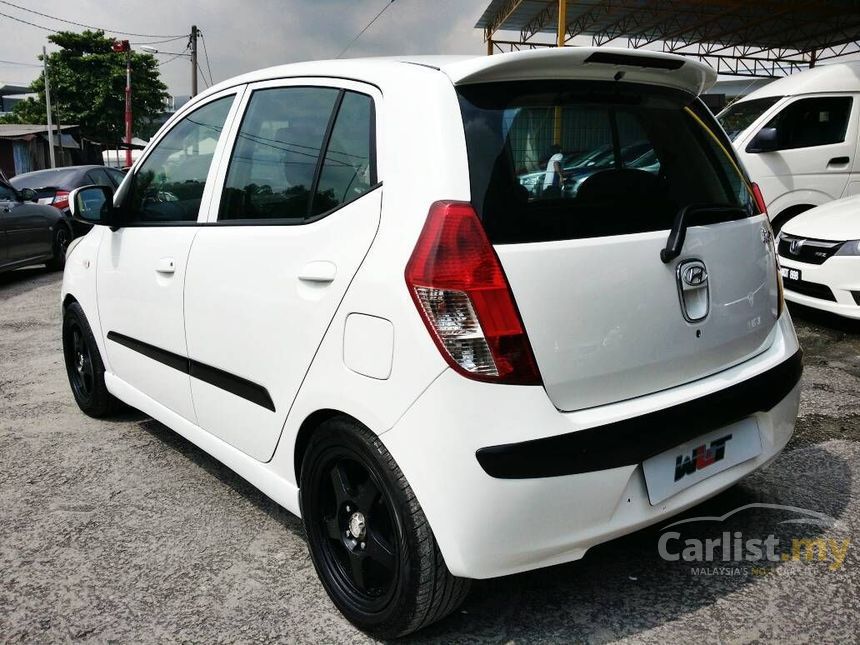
x,y
88,88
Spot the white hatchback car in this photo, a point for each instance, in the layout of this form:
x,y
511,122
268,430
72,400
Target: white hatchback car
x,y
819,254
329,276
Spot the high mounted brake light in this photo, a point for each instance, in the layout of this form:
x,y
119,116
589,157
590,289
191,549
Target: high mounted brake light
x,y
462,294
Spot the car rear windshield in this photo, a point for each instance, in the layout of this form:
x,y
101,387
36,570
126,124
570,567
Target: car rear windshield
x,y
574,159
60,178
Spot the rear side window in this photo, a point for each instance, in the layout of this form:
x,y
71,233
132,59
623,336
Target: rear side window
x,y
812,122
575,159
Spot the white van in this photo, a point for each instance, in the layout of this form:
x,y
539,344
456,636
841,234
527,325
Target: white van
x,y
330,276
797,138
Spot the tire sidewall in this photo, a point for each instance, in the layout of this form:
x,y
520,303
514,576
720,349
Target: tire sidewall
x,y
339,433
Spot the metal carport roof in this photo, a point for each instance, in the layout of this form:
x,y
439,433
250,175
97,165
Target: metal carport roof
x,y
741,37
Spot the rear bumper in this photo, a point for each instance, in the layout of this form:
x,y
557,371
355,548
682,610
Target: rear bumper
x,y
489,526
840,276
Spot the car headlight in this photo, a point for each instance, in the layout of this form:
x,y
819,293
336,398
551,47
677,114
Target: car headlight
x,y
851,247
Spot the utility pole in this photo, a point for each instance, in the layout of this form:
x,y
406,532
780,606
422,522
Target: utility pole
x,y
193,44
48,106
123,46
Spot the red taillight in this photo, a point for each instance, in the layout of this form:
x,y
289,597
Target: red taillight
x,y
759,199
462,294
61,199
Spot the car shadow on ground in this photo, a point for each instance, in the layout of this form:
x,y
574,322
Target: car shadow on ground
x,y
22,280
824,319
622,587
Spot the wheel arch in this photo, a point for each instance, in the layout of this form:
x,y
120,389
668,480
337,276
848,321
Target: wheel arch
x,y
306,429
789,213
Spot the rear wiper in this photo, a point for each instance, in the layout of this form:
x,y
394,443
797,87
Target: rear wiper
x,y
678,234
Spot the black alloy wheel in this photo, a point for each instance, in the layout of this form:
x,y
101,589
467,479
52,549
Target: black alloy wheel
x,y
84,365
62,239
371,545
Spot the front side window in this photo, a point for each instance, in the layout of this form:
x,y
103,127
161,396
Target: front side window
x,y
812,122
169,184
575,159
277,150
739,116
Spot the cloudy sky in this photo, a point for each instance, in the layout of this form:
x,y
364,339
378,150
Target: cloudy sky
x,y
243,35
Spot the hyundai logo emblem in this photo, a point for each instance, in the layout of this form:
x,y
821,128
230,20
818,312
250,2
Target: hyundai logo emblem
x,y
695,275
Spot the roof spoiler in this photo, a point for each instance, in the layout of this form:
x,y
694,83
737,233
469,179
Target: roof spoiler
x,y
632,60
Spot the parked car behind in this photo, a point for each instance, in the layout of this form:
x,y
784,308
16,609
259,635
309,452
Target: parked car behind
x,y
819,254
445,376
30,233
53,186
798,138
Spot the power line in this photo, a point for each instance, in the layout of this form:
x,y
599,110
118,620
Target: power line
x,y
170,60
80,24
203,75
14,62
366,27
27,22
206,54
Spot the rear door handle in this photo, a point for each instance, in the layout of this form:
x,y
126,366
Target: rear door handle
x,y
838,161
319,271
166,265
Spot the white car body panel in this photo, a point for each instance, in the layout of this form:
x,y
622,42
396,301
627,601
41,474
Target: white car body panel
x,y
836,221
429,417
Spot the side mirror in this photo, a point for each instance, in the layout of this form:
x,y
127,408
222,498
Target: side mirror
x,y
765,140
28,195
92,205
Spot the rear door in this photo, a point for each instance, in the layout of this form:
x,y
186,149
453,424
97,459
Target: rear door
x,y
28,228
298,209
609,320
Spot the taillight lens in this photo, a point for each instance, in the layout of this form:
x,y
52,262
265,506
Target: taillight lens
x,y
759,199
462,294
61,199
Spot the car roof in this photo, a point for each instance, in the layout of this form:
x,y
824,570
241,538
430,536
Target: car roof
x,y
592,63
838,77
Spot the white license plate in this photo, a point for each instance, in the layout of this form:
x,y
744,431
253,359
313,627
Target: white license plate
x,y
790,274
672,471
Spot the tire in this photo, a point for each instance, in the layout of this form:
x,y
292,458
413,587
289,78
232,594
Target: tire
x,y
62,238
398,581
84,365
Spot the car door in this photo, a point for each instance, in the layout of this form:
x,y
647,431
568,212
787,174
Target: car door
x,y
142,264
817,141
27,227
287,232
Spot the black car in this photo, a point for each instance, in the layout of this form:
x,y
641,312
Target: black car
x,y
53,186
31,233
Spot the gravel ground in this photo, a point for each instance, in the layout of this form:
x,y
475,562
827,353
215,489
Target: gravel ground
x,y
123,531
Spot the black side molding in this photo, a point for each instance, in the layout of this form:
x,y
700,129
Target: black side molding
x,y
236,385
631,441
634,60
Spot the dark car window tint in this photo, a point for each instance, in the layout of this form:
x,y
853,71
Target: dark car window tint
x,y
116,176
6,193
169,184
565,160
276,154
739,116
99,177
347,171
812,122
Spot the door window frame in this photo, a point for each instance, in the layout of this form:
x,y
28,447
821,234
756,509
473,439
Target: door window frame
x,y
238,93
213,206
781,106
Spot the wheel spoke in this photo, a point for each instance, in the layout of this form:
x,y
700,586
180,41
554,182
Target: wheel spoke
x,y
356,563
367,495
340,482
332,528
379,550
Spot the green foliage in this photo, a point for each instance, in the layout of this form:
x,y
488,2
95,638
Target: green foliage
x,y
88,88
